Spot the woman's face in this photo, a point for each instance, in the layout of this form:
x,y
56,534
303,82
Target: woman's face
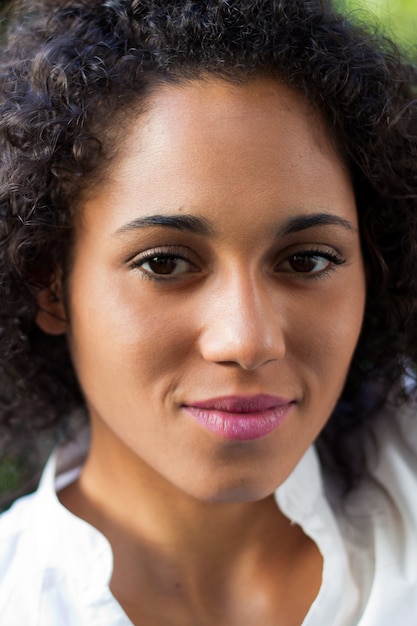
x,y
218,290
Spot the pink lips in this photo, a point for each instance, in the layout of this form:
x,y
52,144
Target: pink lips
x,y
242,418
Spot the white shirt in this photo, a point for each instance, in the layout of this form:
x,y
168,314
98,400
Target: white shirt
x,y
55,568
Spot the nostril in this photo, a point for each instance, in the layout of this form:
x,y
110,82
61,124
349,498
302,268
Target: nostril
x,y
249,349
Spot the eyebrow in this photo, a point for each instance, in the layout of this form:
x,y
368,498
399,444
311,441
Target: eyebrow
x,y
302,222
201,226
187,223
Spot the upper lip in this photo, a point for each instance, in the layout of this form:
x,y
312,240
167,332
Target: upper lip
x,y
241,404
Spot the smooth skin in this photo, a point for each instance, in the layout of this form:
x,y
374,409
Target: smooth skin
x,y
263,293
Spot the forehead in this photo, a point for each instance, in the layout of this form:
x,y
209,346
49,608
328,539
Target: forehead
x,y
210,145
231,104
216,109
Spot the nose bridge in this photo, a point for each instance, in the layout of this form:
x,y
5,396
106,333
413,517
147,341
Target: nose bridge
x,y
241,323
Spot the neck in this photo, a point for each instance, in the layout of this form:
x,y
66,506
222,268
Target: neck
x,y
162,539
131,504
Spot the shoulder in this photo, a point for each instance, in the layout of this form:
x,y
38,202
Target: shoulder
x,y
19,578
379,520
391,480
377,523
39,573
15,529
395,463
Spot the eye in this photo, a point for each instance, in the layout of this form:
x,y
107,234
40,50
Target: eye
x,y
157,265
310,262
166,265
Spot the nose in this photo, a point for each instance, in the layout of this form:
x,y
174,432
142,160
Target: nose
x,y
242,325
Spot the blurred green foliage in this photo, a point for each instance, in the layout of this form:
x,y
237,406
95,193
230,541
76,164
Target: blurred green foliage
x,y
398,18
10,471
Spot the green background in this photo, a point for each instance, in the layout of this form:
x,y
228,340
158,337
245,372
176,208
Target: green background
x,y
397,17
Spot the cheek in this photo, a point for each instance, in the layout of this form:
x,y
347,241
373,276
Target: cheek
x,y
117,335
325,333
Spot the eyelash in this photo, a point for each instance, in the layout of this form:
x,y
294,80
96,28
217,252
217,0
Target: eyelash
x,y
160,253
334,260
173,253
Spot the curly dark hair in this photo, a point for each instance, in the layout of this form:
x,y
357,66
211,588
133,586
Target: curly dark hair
x,y
71,68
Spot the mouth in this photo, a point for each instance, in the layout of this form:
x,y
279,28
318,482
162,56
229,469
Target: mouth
x,y
241,418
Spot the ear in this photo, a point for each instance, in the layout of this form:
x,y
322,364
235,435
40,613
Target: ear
x,y
51,316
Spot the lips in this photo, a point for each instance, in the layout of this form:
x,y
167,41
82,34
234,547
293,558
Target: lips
x,y
241,418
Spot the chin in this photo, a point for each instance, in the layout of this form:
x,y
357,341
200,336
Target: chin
x,y
238,492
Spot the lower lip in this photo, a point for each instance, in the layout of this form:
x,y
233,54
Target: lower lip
x,y
240,426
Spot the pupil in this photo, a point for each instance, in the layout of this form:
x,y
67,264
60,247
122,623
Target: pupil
x,y
303,263
162,265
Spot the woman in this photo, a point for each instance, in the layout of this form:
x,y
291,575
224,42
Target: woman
x,y
208,216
